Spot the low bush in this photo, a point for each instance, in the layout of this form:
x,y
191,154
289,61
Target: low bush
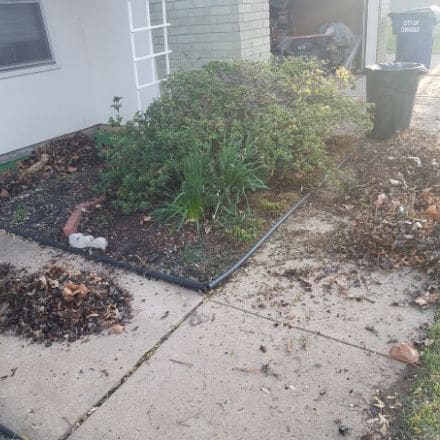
x,y
220,132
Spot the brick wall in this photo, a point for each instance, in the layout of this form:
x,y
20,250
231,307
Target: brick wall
x,y
206,30
254,29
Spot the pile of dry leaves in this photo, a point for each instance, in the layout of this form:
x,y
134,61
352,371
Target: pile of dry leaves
x,y
65,155
395,203
60,304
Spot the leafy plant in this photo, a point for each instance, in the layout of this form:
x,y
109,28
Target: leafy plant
x,y
222,132
193,198
214,183
20,215
116,106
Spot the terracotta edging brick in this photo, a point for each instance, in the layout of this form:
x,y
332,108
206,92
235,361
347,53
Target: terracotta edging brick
x,y
72,223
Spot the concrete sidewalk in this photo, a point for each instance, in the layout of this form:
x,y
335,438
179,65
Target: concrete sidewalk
x,y
267,356
261,358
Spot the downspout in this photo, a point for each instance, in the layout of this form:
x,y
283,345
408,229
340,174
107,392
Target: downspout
x,y
373,13
364,32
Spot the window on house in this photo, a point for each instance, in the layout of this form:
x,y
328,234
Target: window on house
x,y
23,36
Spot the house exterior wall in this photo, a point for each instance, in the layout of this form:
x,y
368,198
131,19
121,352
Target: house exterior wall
x,y
200,31
38,106
254,29
92,50
104,27
207,30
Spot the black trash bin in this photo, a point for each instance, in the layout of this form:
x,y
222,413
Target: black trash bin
x,y
392,87
414,30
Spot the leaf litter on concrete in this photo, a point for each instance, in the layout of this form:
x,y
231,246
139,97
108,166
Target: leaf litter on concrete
x,y
60,304
395,207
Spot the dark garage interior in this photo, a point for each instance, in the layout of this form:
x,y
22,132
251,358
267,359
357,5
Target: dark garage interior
x,y
312,28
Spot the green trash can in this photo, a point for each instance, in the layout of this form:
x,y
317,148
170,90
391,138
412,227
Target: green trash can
x,y
392,88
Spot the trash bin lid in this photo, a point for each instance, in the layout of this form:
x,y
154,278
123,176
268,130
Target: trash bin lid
x,y
397,67
428,12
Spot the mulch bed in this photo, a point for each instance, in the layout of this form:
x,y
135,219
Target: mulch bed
x,y
37,203
60,304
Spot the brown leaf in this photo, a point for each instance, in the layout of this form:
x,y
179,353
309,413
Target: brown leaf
x,y
427,196
38,166
68,294
405,352
43,281
432,212
4,194
116,329
82,290
427,299
380,200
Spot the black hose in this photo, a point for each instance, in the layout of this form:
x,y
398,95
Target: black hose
x,y
183,282
10,434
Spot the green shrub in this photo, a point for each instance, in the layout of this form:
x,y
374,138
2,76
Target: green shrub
x,y
218,133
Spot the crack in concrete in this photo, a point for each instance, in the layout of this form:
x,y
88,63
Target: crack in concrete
x,y
144,358
305,330
150,353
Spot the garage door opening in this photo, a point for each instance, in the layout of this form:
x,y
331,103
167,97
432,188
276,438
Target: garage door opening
x,y
335,33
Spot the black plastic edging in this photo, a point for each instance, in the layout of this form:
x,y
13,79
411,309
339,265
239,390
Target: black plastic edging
x,y
221,278
218,280
10,434
183,282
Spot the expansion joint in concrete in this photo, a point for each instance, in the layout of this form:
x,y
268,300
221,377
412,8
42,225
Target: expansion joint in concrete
x,y
303,329
144,358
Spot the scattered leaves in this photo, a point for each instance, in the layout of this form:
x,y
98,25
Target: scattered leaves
x,y
60,304
427,299
116,329
4,194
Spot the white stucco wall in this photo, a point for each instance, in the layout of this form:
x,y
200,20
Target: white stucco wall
x,y
94,63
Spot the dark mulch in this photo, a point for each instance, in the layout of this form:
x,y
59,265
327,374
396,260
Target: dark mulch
x,y
65,156
38,204
60,304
